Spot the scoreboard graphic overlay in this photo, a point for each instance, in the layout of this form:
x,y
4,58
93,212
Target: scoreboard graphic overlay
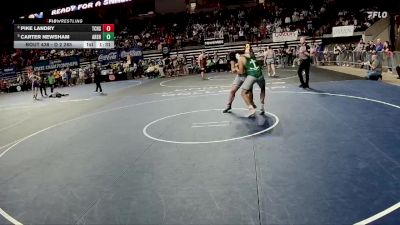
x,y
63,36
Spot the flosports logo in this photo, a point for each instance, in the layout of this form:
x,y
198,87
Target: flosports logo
x,y
374,14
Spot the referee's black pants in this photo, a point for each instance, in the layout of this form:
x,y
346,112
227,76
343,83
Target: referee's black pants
x,y
51,88
304,65
98,86
43,87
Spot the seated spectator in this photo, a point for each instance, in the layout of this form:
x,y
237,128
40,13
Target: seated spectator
x,y
152,70
375,72
379,45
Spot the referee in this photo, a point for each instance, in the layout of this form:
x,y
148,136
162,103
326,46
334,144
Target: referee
x,y
304,56
97,79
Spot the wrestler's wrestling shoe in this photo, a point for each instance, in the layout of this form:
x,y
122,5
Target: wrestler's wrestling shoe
x,y
252,113
262,110
228,109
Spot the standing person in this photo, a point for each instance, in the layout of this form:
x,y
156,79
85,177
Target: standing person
x,y
216,62
68,76
358,51
185,66
57,75
283,57
167,66
81,76
74,79
63,77
313,51
248,65
97,79
202,62
289,52
43,83
260,57
269,60
398,71
336,52
387,48
35,85
304,56
284,54
52,80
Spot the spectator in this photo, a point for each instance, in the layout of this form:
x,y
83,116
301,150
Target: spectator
x,y
358,51
287,20
216,62
398,71
313,53
81,76
43,83
51,81
387,48
290,52
337,50
320,54
241,35
74,77
57,75
68,76
269,61
375,72
379,46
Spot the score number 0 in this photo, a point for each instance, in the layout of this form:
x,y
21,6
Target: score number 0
x,y
108,27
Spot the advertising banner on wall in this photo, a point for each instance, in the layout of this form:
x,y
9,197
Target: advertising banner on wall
x,y
213,41
108,57
136,53
54,64
8,72
284,36
343,31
